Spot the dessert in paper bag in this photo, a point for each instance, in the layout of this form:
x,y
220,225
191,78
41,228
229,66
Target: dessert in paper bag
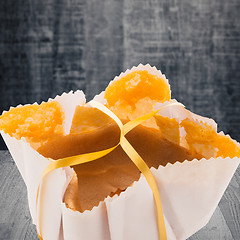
x,y
109,198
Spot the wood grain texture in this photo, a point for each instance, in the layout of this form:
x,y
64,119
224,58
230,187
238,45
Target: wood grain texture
x,y
15,219
51,46
216,228
103,52
230,205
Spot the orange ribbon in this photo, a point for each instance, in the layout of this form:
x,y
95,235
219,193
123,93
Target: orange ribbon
x,y
130,151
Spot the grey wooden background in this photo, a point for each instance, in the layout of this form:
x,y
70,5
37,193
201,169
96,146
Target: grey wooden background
x,y
51,46
16,222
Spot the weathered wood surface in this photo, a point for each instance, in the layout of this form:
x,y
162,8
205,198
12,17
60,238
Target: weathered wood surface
x,y
51,46
15,219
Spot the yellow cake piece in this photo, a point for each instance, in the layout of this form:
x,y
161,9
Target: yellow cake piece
x,y
34,122
135,86
203,139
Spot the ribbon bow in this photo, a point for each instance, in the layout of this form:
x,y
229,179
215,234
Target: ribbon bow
x,y
129,150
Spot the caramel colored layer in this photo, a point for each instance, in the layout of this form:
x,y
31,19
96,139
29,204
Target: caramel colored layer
x,y
89,119
115,172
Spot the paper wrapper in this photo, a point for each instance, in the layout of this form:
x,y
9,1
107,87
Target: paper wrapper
x,y
190,191
31,166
